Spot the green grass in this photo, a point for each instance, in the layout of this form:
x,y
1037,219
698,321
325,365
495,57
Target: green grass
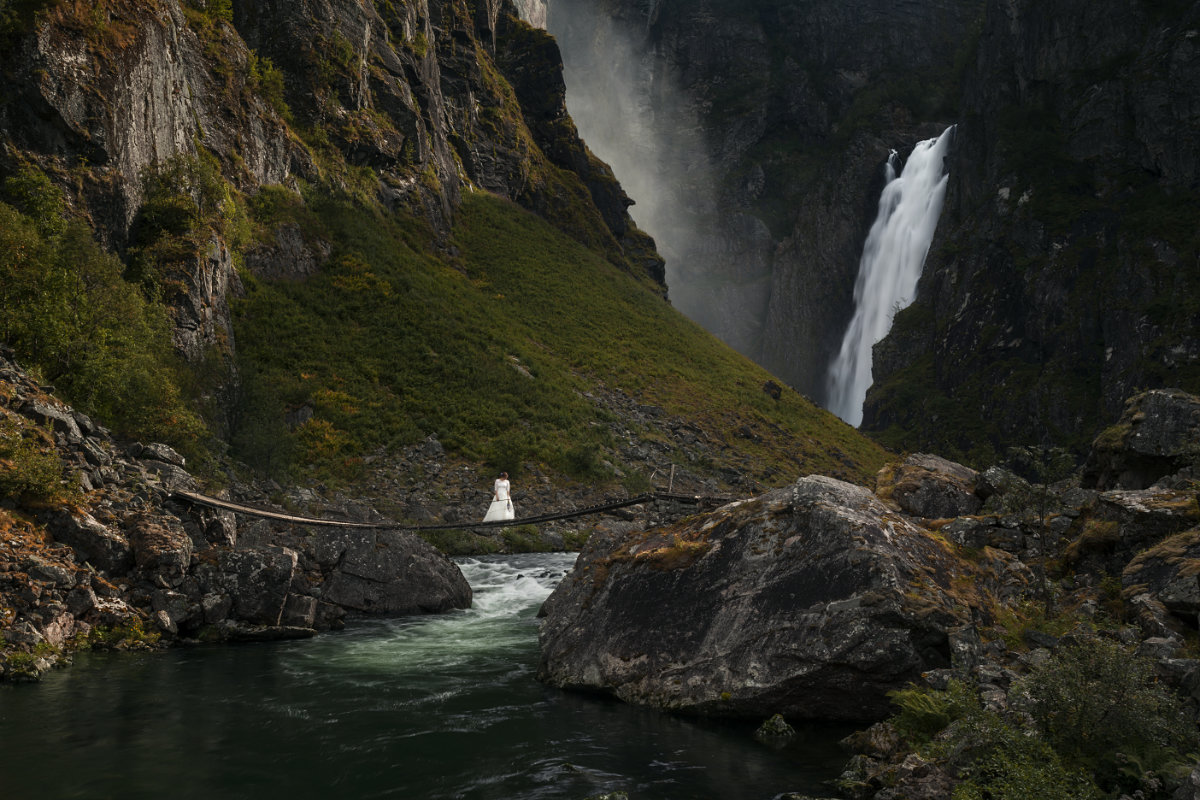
x,y
491,345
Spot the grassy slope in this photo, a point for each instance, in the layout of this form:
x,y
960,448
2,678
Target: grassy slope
x,y
391,342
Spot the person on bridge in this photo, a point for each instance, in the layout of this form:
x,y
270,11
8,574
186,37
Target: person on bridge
x,y
501,507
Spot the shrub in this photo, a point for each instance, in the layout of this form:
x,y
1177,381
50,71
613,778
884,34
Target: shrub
x,y
1012,765
68,314
1101,708
924,712
27,472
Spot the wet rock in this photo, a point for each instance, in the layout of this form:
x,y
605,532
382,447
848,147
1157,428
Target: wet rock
x,y
233,631
256,581
299,611
775,728
393,573
788,603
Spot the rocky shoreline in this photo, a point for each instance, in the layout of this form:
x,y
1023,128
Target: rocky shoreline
x,y
96,551
824,600
112,559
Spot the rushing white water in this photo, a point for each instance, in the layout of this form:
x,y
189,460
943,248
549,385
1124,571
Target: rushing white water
x,y
892,259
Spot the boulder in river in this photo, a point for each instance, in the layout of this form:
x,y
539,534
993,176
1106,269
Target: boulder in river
x,y
393,573
813,601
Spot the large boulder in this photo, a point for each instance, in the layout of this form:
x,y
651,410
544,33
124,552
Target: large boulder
x,y
1157,436
92,541
256,582
393,573
930,486
813,601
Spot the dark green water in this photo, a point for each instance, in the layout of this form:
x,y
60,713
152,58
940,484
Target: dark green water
x,y
433,707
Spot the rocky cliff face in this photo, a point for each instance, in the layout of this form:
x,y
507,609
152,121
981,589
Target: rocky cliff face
x,y
1065,272
300,92
113,558
753,137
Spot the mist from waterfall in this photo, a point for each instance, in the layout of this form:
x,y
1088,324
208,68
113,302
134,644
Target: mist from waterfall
x,y
632,114
892,259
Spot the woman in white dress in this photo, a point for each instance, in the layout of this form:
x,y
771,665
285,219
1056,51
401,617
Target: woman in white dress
x,y
501,507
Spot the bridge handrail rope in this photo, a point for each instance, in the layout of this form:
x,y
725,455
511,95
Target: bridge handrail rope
x,y
239,508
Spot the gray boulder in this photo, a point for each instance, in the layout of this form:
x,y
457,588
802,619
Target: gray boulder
x,y
92,542
161,546
930,486
1157,436
813,601
256,581
393,573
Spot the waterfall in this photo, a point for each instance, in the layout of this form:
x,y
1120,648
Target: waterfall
x,y
890,267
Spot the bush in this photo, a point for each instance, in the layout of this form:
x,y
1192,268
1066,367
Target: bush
x,y
1101,708
996,759
26,471
1009,764
68,314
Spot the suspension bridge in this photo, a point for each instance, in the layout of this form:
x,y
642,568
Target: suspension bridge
x,y
262,513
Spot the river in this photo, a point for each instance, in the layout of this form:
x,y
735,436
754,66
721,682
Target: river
x,y
423,708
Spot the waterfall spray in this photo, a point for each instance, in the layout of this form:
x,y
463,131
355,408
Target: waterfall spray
x,y
892,259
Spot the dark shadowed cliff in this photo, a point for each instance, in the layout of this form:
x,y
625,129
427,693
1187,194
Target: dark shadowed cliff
x,y
1063,276
1066,273
753,137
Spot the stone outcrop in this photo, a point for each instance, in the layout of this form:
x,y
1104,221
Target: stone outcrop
x,y
1156,437
930,486
798,602
393,573
125,564
1169,572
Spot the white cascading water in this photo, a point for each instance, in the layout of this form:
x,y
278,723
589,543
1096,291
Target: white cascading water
x,y
892,260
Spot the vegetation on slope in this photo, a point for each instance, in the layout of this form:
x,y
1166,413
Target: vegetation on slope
x,y
512,339
1091,721
68,313
493,345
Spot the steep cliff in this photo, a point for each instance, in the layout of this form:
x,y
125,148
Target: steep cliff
x,y
1065,273
753,137
100,95
328,202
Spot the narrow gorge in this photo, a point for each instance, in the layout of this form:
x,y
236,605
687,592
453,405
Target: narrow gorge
x,y
840,359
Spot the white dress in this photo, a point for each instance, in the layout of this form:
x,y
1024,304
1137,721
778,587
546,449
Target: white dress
x,y
501,507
